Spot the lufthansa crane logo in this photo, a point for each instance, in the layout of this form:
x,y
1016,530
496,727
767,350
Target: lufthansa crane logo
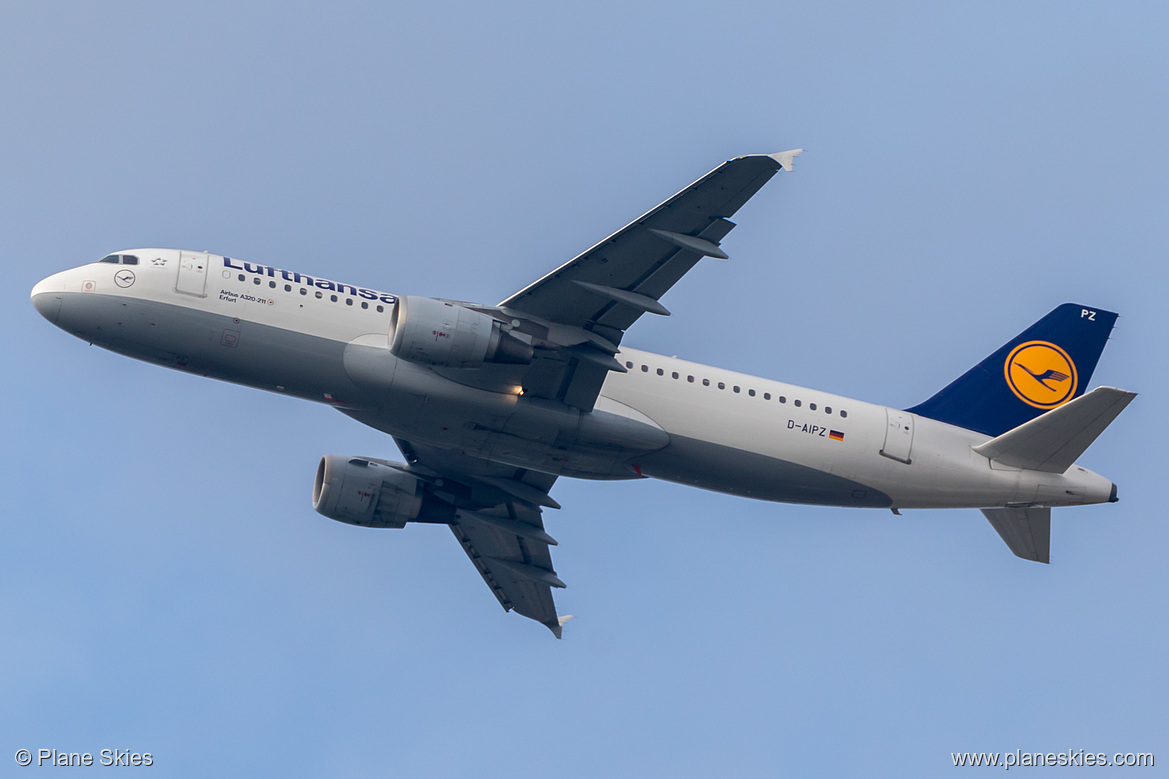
x,y
124,278
1041,374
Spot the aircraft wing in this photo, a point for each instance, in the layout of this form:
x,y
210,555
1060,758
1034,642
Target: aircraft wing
x,y
606,288
583,308
500,526
601,292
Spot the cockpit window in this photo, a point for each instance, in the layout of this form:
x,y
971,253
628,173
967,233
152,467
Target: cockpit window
x,y
129,259
120,259
112,258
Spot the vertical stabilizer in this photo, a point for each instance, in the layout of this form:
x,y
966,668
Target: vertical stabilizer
x,y
1042,368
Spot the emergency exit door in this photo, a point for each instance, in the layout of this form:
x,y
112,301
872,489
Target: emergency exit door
x,y
192,274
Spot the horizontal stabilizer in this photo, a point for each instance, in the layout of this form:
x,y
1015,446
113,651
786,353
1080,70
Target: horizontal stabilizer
x,y
1053,441
1026,531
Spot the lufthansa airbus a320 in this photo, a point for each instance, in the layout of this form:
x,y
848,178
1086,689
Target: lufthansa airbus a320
x,y
490,404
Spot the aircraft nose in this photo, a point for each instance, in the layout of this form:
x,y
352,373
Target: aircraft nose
x,y
46,297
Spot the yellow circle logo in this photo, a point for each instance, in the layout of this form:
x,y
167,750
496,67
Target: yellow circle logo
x,y
1041,374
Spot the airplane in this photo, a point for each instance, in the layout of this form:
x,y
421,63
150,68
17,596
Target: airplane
x,y
490,404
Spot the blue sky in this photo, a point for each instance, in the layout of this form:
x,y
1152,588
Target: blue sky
x,y
166,587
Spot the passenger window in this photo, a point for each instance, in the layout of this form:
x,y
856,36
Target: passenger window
x,y
272,285
256,281
380,309
843,414
661,372
796,403
628,365
645,369
812,406
674,374
129,259
767,396
736,388
288,288
751,393
303,291
320,294
706,382
828,409
333,298
721,385
690,379
365,304
241,277
782,399
349,301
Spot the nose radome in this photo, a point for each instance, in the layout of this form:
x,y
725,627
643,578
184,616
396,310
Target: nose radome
x,y
46,297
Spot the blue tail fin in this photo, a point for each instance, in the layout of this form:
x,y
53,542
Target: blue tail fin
x,y
1045,366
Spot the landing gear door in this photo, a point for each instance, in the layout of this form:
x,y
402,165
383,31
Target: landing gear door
x,y
898,435
192,274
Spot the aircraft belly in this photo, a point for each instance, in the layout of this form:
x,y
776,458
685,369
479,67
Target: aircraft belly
x,y
212,345
421,405
723,468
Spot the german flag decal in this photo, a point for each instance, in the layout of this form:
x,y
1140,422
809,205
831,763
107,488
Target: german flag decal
x,y
836,435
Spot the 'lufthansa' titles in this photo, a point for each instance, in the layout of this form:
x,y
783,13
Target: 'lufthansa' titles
x,y
308,281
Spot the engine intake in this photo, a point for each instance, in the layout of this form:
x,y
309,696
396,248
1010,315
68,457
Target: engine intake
x,y
434,332
372,493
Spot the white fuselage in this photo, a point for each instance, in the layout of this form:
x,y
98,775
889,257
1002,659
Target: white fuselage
x,y
665,418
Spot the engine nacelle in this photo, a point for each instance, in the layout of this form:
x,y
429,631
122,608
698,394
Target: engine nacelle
x,y
371,493
434,332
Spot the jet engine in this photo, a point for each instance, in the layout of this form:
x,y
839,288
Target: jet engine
x,y
434,332
373,493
